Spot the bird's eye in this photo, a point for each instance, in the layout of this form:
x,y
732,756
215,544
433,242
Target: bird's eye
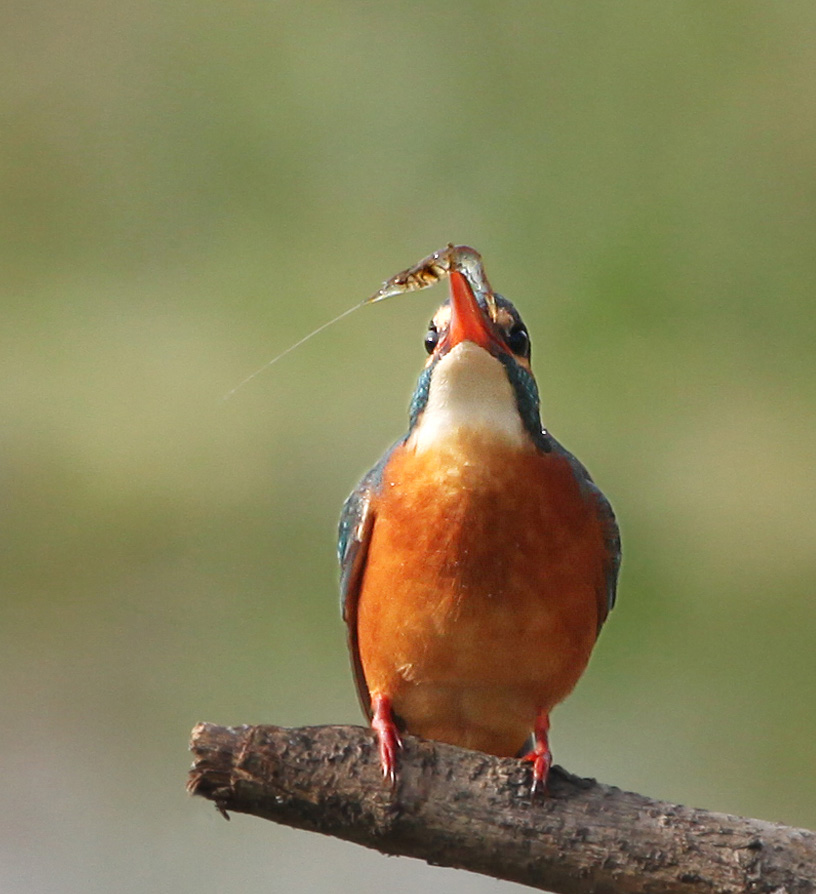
x,y
431,339
518,340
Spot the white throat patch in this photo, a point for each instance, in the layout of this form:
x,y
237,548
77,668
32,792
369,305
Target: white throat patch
x,y
469,392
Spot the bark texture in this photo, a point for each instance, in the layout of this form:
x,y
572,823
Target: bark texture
x,y
472,811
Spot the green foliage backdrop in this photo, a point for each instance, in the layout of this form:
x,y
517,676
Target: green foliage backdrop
x,y
188,188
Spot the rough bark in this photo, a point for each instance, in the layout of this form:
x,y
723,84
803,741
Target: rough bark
x,y
469,810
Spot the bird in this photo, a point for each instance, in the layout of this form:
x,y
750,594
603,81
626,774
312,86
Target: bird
x,y
478,558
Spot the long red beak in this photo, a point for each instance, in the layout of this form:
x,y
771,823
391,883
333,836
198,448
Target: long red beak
x,y
468,321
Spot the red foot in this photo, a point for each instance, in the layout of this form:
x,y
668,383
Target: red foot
x,y
388,737
540,757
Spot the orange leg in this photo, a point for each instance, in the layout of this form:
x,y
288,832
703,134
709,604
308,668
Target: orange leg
x,y
540,757
388,737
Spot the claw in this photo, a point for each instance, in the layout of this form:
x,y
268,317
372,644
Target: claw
x,y
540,757
388,737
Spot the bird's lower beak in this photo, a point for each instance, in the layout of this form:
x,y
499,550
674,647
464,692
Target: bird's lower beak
x,y
469,321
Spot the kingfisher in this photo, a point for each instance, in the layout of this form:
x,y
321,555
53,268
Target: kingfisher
x,y
478,558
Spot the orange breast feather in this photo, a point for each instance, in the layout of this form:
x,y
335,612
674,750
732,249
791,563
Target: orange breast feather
x,y
483,591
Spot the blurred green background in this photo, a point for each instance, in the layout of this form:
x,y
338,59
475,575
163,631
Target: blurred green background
x,y
189,188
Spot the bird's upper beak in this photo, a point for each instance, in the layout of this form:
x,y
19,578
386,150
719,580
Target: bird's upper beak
x,y
469,321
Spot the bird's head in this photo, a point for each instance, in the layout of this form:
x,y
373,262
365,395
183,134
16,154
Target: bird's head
x,y
477,377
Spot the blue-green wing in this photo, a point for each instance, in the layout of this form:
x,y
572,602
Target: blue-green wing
x,y
354,535
606,514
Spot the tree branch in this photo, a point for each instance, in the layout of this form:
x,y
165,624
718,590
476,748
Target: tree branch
x,y
473,811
